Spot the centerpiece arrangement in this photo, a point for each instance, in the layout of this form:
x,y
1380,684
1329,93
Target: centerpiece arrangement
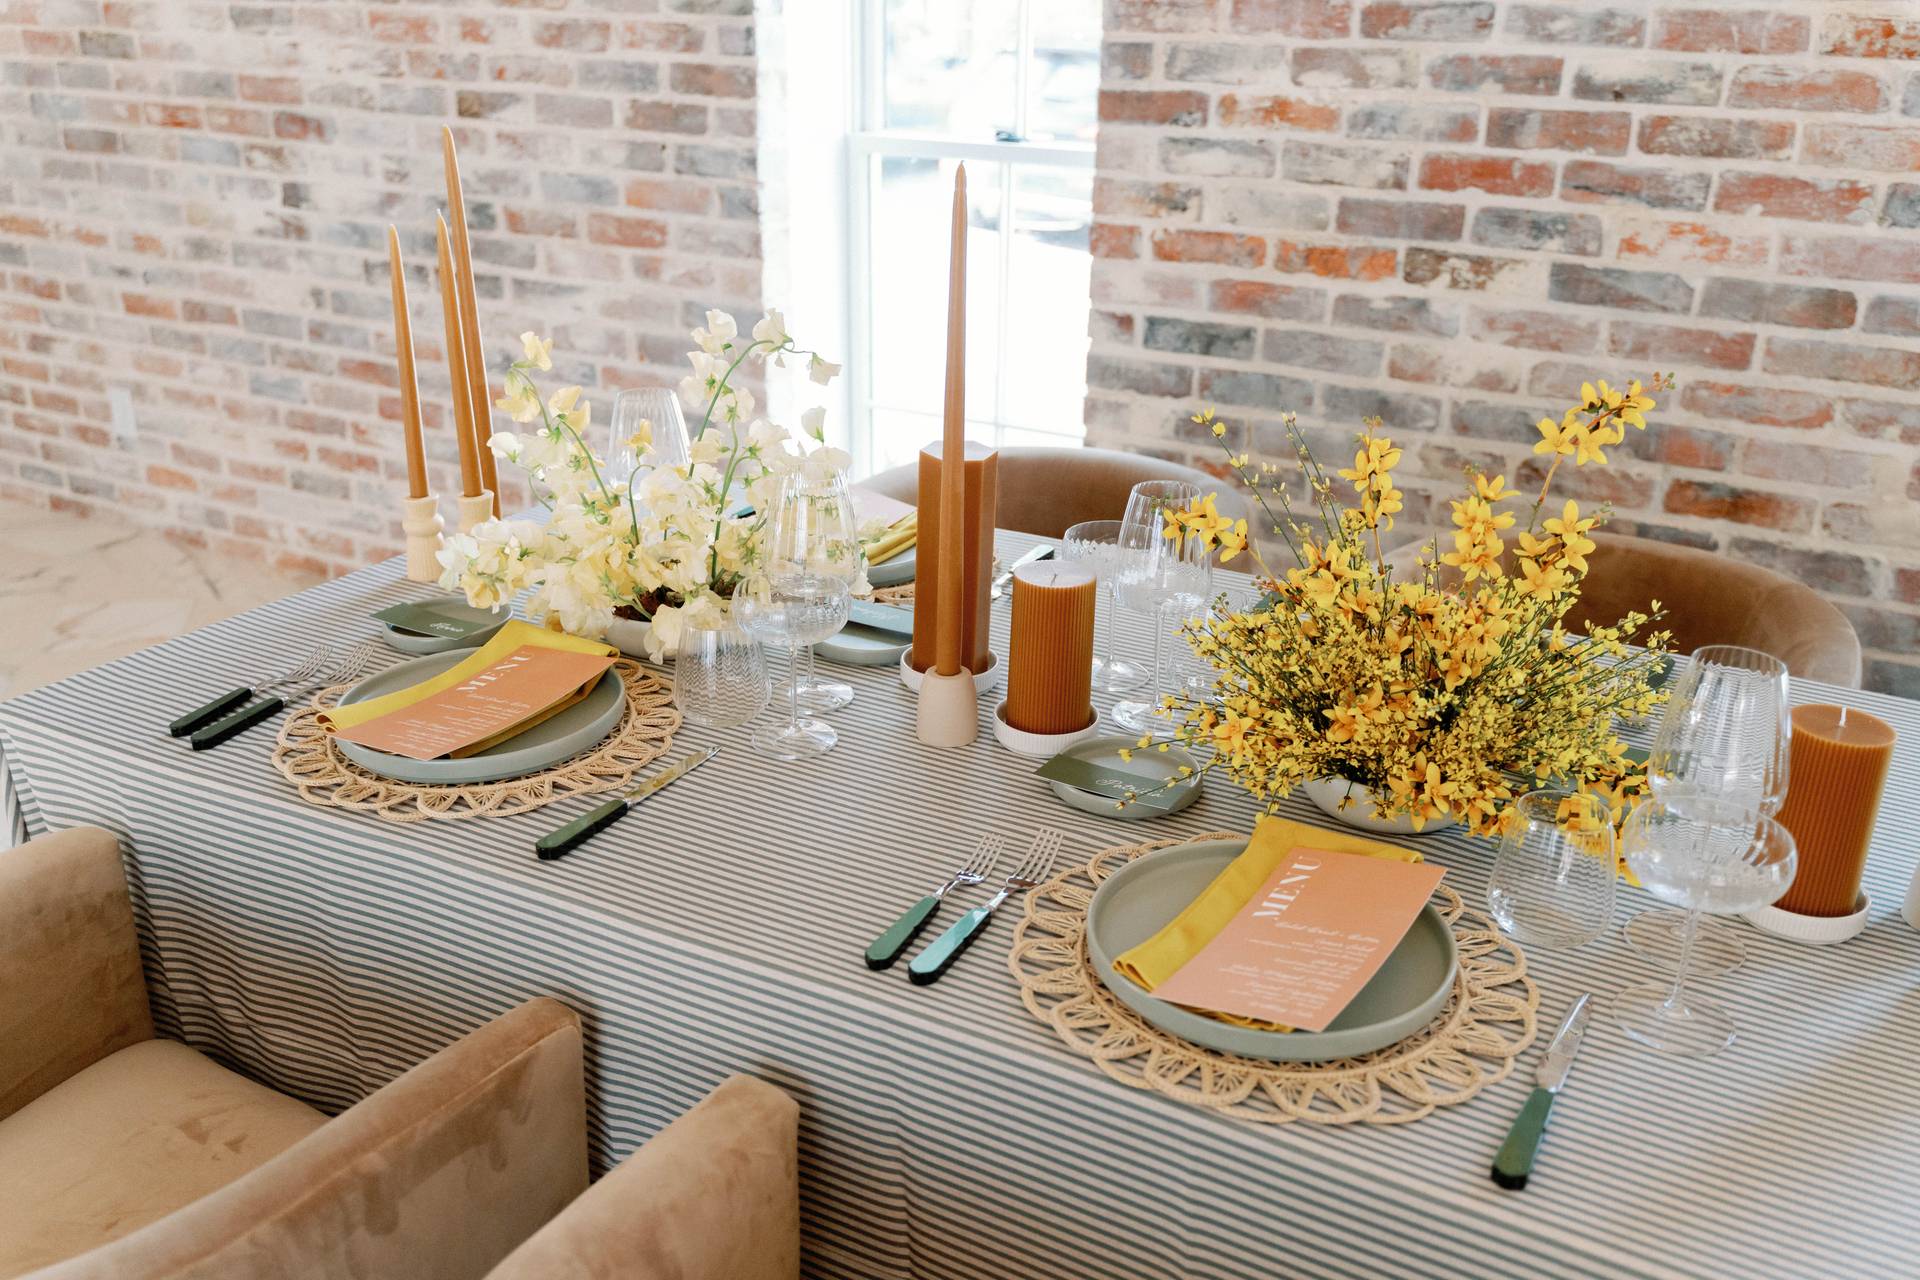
x,y
673,540
1441,695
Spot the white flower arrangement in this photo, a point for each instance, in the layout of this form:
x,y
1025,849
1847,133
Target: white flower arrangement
x,y
673,541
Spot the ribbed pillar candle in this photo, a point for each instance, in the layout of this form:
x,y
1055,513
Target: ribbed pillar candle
x,y
1835,775
979,503
1050,652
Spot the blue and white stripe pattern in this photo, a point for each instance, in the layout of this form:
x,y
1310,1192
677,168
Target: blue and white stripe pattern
x,y
946,1133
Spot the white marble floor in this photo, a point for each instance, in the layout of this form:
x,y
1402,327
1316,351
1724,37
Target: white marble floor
x,y
77,591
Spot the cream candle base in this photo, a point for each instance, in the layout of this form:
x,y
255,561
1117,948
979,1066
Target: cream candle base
x,y
948,713
420,518
475,510
1042,745
1817,931
989,679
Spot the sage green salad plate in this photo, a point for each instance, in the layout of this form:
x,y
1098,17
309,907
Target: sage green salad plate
x,y
857,646
479,626
894,570
1139,899
556,739
1153,800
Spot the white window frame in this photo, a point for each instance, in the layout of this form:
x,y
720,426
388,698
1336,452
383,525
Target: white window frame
x,y
869,139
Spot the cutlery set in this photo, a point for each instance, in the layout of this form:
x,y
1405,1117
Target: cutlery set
x,y
233,712
939,955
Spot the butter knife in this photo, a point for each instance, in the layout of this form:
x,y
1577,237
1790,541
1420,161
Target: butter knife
x,y
561,839
1515,1162
1041,552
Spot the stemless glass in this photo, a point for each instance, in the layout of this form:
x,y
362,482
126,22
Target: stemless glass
x,y
1096,544
657,411
719,674
1720,755
1164,577
1552,886
1721,867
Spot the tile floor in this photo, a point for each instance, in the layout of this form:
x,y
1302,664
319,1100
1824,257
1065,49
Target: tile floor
x,y
77,591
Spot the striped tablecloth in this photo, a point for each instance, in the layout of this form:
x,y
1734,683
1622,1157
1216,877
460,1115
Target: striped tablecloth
x,y
945,1133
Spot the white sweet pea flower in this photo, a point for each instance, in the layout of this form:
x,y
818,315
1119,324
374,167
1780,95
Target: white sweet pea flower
x,y
738,406
538,350
821,371
720,330
521,403
814,422
772,329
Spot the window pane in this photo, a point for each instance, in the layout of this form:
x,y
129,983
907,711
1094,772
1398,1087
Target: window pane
x,y
1048,276
1063,82
910,231
951,66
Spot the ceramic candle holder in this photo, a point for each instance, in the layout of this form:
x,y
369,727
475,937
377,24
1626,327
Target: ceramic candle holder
x,y
475,510
1042,745
420,518
1817,931
948,714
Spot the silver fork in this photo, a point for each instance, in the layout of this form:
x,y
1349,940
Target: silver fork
x,y
202,716
979,865
1032,872
351,667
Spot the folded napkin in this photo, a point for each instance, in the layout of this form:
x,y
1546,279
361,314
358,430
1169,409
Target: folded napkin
x,y
894,539
1154,961
510,637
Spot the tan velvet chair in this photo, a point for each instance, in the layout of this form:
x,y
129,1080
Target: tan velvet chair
x,y
1046,491
1710,599
713,1196
125,1157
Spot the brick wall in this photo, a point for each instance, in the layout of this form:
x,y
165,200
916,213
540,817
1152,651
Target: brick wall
x,y
1449,212
193,209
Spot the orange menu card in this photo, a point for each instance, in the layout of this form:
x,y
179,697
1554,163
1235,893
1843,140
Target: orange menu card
x,y
1308,939
510,695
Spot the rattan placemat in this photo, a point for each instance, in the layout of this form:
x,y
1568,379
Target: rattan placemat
x,y
1486,1024
307,756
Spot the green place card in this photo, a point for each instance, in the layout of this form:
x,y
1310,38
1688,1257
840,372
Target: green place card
x,y
450,619
882,617
1109,780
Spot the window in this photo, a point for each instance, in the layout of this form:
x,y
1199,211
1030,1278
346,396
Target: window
x,y
1010,88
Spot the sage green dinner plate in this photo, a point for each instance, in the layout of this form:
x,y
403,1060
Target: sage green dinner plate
x,y
559,738
858,646
1104,750
894,570
1139,899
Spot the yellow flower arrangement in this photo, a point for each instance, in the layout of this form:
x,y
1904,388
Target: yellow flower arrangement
x,y
1446,693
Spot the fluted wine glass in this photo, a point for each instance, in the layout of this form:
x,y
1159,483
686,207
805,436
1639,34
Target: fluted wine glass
x,y
1096,544
1166,576
829,505
1720,755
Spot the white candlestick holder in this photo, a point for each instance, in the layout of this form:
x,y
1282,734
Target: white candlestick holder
x,y
420,518
949,711
475,510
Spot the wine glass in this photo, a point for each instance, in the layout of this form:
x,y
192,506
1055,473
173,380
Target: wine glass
x,y
1552,883
1720,756
1698,864
655,413
719,673
1096,544
797,595
829,504
1167,573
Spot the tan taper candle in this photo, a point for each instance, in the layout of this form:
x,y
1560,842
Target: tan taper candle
x,y
409,383
470,485
1050,653
949,545
480,405
1835,774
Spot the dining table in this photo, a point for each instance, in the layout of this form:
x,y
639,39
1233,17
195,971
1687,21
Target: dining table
x,y
945,1131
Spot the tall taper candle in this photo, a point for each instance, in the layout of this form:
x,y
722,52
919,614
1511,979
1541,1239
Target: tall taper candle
x,y
1836,770
953,450
480,406
409,385
470,485
1050,651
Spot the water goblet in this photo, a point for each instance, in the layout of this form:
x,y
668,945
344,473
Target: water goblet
x,y
1699,865
1167,575
1553,878
1096,544
1721,754
828,505
719,673
794,606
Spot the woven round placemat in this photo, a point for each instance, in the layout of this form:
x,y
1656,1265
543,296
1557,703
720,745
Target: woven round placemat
x,y
307,756
1486,1024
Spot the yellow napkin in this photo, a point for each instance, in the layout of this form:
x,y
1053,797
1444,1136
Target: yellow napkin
x,y
1154,961
504,642
894,539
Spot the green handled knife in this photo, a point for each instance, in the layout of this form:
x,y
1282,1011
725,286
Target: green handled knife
x,y
557,842
1514,1164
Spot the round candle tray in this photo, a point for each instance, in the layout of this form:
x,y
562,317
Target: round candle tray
x,y
983,681
1044,745
1819,931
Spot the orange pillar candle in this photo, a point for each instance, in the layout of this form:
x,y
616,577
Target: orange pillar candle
x,y
1835,774
409,384
457,368
480,406
980,491
1050,653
